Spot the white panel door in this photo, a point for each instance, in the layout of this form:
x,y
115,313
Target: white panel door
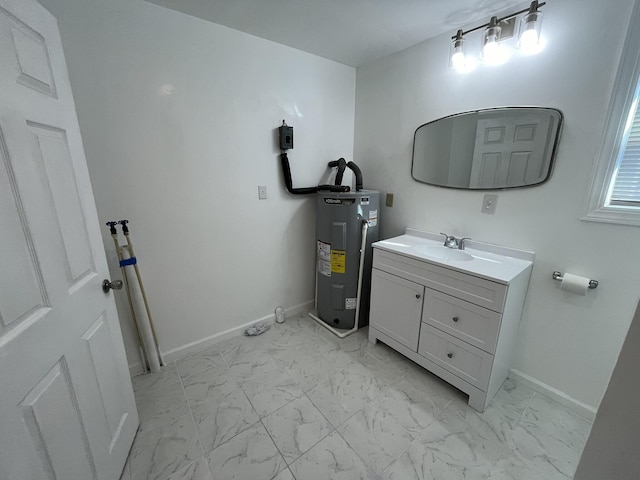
x,y
510,152
67,409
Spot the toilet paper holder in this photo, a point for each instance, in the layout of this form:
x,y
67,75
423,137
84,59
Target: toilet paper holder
x,y
558,276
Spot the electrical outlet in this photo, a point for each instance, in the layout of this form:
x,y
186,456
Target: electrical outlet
x,y
489,204
262,192
389,200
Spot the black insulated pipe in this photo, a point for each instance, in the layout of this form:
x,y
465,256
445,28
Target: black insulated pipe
x,y
334,188
286,170
358,173
341,163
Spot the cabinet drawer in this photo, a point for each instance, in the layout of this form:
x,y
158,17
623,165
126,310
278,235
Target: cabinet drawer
x,y
466,321
476,290
463,360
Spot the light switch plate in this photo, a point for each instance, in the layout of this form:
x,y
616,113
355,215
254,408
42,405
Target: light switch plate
x,y
262,192
489,204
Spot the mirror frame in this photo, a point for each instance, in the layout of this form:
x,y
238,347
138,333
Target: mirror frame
x,y
554,149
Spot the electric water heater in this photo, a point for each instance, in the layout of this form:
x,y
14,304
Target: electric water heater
x,y
339,230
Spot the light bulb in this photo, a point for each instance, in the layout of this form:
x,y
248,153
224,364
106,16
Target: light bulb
x,y
529,41
458,58
530,25
491,51
458,61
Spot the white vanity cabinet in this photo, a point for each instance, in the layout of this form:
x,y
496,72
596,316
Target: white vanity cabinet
x,y
457,318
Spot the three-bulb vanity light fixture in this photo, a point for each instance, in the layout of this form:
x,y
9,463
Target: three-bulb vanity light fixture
x,y
497,30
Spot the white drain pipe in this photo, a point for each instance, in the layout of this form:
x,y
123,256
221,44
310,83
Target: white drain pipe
x,y
314,315
147,311
123,271
141,317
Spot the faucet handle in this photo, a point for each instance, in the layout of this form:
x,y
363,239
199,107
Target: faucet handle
x,y
461,242
450,241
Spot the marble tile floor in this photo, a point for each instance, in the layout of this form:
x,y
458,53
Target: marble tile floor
x,y
299,403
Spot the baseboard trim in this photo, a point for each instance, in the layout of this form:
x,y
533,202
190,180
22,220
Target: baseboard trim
x,y
136,369
576,406
179,352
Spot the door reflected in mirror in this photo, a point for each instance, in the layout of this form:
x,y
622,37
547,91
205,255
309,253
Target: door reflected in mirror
x,y
489,149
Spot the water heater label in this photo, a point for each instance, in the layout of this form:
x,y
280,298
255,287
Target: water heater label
x,y
338,261
324,258
350,303
364,201
373,218
324,250
324,267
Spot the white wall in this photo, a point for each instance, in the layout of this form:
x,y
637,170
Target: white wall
x,y
567,342
178,117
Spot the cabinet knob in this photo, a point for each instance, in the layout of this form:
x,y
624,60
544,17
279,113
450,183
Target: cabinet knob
x,y
450,355
418,295
455,319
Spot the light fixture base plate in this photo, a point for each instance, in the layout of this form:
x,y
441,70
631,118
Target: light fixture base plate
x,y
508,28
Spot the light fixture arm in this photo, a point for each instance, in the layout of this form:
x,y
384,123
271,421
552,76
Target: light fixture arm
x,y
532,9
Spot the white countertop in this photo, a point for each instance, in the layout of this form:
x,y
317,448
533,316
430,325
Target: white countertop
x,y
493,262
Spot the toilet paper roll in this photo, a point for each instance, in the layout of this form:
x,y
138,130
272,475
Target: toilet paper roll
x,y
574,284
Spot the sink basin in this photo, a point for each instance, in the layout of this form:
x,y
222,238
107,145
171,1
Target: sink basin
x,y
442,253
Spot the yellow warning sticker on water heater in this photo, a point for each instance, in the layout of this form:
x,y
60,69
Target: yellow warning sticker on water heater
x,y
338,261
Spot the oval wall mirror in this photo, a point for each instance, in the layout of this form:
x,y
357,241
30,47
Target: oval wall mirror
x,y
495,148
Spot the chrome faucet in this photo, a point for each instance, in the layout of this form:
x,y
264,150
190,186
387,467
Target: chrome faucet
x,y
452,242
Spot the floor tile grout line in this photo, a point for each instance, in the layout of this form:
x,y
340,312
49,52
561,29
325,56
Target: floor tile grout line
x,y
333,429
414,437
524,411
247,427
277,449
355,451
308,449
311,447
193,420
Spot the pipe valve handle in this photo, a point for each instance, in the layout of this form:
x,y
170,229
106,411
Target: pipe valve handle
x,y
125,229
112,227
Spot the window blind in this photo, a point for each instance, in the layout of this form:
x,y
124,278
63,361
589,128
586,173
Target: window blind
x,y
626,187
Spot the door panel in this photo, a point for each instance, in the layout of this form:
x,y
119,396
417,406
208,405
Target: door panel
x,y
33,58
67,409
22,290
509,152
102,356
50,412
54,161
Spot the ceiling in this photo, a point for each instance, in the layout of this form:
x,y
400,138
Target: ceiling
x,y
352,32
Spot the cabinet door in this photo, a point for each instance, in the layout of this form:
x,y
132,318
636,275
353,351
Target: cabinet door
x,y
396,308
